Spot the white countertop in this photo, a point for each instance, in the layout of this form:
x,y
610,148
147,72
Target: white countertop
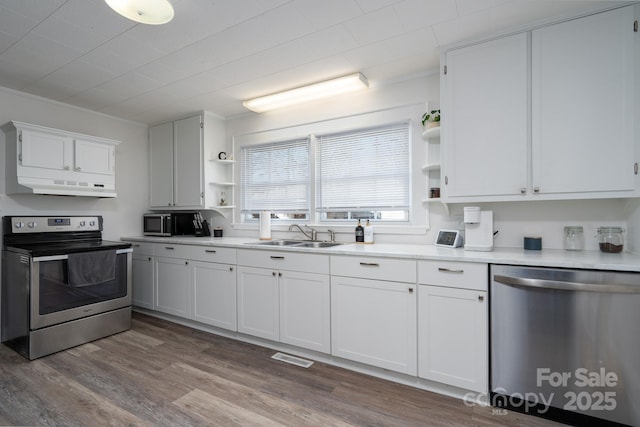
x,y
624,261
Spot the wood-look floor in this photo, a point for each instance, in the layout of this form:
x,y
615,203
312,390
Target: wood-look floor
x,y
163,374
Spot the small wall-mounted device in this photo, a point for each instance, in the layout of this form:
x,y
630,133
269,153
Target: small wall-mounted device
x,y
449,239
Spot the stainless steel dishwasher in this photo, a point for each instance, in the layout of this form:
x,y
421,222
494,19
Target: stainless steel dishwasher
x,y
565,344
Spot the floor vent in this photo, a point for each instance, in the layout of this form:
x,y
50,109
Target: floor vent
x,y
292,360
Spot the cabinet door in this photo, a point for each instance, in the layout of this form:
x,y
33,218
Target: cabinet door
x,y
374,322
44,150
258,302
188,162
214,294
161,165
453,337
173,286
583,104
142,286
485,118
94,157
305,315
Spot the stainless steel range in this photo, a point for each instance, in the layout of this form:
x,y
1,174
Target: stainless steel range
x,y
62,285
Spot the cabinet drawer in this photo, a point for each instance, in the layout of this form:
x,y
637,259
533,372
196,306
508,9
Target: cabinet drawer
x,y
281,260
141,248
170,250
397,270
465,275
212,254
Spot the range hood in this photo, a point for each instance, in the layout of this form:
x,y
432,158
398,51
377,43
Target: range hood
x,y
41,160
61,187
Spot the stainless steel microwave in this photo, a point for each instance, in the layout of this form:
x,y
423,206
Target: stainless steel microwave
x,y
168,224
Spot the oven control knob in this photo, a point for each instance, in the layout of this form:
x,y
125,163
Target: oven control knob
x,y
33,224
82,223
92,223
19,225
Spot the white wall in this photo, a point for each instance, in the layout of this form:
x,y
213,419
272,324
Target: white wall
x,y
122,215
513,220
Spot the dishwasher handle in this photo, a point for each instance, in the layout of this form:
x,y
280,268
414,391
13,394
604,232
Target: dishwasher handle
x,y
567,286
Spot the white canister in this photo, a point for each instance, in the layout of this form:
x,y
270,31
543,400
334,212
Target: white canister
x,y
368,232
265,225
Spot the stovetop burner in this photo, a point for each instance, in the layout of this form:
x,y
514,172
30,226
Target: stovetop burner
x,y
59,235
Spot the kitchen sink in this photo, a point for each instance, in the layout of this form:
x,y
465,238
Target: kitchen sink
x,y
299,243
318,244
280,242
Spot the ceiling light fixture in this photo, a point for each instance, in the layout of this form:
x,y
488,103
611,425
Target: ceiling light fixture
x,y
152,12
307,93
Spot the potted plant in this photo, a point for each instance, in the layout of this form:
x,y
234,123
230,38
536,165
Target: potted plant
x,y
431,119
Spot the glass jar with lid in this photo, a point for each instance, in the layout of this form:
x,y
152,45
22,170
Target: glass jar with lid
x,y
610,239
573,238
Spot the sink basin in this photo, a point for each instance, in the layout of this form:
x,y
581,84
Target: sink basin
x,y
280,242
299,243
318,244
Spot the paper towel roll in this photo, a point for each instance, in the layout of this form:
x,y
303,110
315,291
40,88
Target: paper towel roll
x,y
265,225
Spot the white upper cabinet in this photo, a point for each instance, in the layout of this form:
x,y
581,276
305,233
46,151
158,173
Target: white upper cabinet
x,y
93,157
44,160
583,104
544,114
46,150
161,165
179,168
484,119
189,162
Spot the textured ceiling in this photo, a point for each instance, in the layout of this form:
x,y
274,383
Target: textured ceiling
x,y
215,53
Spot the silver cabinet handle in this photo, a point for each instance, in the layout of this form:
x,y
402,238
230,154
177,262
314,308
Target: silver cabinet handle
x,y
450,270
277,257
410,290
210,251
78,168
230,268
369,264
67,168
149,258
523,190
135,245
480,298
169,248
567,286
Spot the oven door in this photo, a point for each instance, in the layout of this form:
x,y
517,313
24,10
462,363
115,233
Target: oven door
x,y
53,300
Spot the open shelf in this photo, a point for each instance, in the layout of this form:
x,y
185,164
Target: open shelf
x,y
431,134
430,167
225,184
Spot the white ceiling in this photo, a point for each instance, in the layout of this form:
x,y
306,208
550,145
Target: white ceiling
x,y
215,53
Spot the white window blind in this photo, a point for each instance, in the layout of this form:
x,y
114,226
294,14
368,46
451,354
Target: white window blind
x,y
275,177
366,169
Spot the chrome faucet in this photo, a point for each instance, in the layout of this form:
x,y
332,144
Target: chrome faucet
x,y
314,232
332,235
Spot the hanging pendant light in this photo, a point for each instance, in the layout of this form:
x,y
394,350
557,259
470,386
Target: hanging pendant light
x,y
151,12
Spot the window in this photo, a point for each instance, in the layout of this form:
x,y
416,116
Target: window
x,y
275,177
364,174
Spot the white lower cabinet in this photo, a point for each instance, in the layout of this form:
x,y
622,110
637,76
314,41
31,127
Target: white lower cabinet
x,y
258,302
142,287
214,294
374,322
277,301
305,314
173,286
453,324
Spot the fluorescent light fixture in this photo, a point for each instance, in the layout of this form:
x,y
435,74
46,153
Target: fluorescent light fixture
x,y
152,12
307,93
